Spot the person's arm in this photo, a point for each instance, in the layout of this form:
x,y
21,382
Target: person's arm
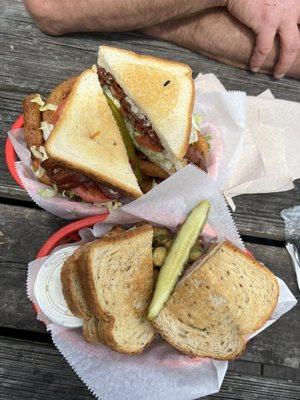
x,y
216,34
266,18
58,17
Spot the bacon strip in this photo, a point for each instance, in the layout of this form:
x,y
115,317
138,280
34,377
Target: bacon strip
x,y
67,179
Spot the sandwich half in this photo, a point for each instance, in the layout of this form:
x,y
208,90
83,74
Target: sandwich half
x,y
224,298
156,98
84,152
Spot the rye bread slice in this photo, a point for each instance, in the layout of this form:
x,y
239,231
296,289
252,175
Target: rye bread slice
x,y
116,273
224,298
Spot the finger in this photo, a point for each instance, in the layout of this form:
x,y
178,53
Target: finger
x,y
263,46
289,48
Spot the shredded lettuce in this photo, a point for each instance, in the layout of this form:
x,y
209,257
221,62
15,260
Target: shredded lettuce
x,y
38,100
48,192
46,128
39,153
43,106
159,158
68,194
207,138
196,122
39,172
111,205
109,94
50,106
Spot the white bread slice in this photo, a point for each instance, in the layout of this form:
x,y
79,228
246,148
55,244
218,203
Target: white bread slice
x,y
162,90
117,278
227,296
87,139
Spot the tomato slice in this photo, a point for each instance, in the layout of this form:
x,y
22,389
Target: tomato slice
x,y
59,110
146,141
91,194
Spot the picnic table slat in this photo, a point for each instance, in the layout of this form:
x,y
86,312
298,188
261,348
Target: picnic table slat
x,y
32,370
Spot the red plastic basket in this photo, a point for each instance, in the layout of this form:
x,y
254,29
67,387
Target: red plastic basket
x,y
68,234
10,154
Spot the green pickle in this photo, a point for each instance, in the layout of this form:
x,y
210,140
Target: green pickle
x,y
126,139
178,256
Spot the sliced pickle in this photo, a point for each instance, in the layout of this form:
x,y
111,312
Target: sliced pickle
x,y
126,139
177,256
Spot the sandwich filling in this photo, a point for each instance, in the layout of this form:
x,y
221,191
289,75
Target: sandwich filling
x,y
139,127
144,137
71,183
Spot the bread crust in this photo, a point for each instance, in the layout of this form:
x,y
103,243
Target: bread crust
x,y
67,275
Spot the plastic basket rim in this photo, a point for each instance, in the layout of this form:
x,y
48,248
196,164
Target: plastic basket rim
x,y
73,227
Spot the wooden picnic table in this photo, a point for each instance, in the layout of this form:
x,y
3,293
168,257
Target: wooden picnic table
x,y
30,366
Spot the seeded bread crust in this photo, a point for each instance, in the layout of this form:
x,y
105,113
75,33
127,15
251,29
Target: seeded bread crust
x,y
90,331
224,298
71,288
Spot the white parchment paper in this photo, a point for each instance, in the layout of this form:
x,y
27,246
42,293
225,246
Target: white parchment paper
x,y
223,118
160,372
269,160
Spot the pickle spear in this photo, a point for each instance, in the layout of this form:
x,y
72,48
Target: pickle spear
x,y
178,256
126,139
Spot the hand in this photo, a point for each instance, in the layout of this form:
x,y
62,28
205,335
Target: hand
x,y
268,18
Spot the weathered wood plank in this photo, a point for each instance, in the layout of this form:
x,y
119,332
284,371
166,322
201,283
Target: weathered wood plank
x,y
23,232
274,371
259,214
15,252
23,44
31,370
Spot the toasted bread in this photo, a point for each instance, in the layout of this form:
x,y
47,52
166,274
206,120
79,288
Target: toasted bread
x,y
90,330
227,296
163,90
71,288
117,278
87,139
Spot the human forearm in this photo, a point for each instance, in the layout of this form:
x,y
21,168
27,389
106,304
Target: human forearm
x,y
64,16
219,36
